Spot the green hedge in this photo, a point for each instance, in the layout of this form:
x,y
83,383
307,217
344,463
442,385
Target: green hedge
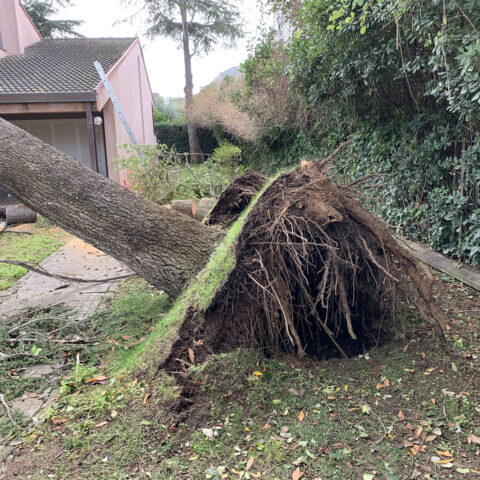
x,y
173,134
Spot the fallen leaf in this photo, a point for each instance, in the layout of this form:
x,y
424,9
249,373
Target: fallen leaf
x,y
59,420
257,373
126,337
249,463
301,416
297,474
99,379
134,382
115,342
443,453
145,398
101,424
31,395
401,416
191,355
473,439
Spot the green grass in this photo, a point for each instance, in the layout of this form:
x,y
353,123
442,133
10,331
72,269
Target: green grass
x,y
32,248
109,336
337,419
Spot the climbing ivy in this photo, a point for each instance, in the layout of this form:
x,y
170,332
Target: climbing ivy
x,y
402,78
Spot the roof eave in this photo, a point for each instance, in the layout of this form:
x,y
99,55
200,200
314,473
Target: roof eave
x,y
48,97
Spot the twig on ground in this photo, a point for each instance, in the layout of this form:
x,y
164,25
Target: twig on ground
x,y
7,408
33,320
41,271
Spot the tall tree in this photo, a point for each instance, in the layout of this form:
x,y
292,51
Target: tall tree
x,y
41,12
197,25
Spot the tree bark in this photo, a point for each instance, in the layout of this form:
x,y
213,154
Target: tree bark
x,y
165,247
196,155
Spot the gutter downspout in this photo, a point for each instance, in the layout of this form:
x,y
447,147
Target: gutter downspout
x,y
92,144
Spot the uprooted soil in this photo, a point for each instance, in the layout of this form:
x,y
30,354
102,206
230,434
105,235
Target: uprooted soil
x,y
235,198
316,276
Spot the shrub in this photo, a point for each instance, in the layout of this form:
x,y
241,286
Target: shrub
x,y
161,174
175,135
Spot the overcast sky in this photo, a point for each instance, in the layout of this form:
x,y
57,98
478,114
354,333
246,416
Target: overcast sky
x,y
163,58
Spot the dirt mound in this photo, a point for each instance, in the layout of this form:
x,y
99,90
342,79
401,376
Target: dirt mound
x,y
235,198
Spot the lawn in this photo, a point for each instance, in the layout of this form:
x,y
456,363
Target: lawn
x,y
43,241
405,409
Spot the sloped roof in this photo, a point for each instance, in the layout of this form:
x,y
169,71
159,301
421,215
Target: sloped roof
x,y
63,65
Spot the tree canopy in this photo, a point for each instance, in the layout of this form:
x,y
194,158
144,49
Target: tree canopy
x,y
197,25
41,12
207,22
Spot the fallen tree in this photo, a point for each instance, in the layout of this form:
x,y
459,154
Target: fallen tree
x,y
163,246
311,267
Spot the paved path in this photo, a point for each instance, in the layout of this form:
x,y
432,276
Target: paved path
x,y
75,259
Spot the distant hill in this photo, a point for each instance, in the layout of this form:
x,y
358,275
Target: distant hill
x,y
231,72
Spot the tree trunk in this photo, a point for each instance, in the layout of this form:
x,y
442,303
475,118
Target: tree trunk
x,y
165,247
196,155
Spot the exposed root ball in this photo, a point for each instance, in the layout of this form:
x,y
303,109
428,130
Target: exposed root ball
x,y
315,271
235,198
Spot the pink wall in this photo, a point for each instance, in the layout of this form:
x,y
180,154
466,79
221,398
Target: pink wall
x,y
129,80
16,27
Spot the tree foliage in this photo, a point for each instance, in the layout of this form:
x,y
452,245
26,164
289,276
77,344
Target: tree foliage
x,y
207,22
402,78
197,25
41,12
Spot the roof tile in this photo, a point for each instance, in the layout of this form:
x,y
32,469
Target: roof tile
x,y
55,65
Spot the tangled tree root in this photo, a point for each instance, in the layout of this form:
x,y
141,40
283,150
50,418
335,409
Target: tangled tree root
x,y
315,270
315,273
235,198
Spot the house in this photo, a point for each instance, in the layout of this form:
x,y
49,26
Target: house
x,y
51,88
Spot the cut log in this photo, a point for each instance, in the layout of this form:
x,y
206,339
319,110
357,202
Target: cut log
x,y
187,207
203,207
5,203
20,214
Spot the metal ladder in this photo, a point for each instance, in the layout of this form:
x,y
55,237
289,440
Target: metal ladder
x,y
115,102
